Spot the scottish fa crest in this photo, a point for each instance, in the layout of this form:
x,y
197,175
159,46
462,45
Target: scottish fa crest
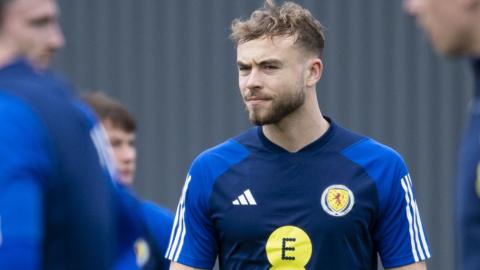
x,y
142,252
337,200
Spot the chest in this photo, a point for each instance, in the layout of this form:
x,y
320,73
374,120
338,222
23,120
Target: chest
x,y
324,198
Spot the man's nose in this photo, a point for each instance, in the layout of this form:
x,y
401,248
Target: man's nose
x,y
56,37
254,79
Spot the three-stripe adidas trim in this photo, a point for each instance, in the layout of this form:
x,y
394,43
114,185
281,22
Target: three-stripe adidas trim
x,y
417,237
245,199
179,229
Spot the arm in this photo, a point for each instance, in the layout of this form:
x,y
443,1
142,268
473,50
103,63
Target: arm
x,y
401,235
24,165
415,266
398,233
178,266
192,241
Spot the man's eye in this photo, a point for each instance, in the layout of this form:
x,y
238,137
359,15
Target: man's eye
x,y
40,22
271,67
115,143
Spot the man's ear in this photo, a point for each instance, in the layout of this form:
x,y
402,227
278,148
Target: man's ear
x,y
314,72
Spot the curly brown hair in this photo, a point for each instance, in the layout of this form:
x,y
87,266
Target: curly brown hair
x,y
289,19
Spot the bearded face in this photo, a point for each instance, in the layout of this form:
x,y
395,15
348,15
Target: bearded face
x,y
271,78
277,108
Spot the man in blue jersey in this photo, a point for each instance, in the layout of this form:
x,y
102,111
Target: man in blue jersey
x,y
56,193
157,221
454,29
297,191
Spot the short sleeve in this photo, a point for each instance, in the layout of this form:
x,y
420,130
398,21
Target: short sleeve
x,y
398,232
193,241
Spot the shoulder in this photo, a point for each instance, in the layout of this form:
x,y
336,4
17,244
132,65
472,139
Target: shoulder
x,y
372,149
49,94
376,158
364,150
210,164
219,158
19,122
24,141
22,79
157,212
16,111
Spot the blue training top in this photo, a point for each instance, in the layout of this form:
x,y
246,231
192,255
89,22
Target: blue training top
x,y
334,204
468,186
151,247
56,199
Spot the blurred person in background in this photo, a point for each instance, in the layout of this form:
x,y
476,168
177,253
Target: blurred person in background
x,y
56,191
157,221
297,191
453,27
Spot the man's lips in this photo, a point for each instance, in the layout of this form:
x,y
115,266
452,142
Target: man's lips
x,y
256,100
126,172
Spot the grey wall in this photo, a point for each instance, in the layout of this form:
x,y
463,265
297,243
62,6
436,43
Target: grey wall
x,y
171,63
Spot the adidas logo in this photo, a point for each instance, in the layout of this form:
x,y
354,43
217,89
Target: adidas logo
x,y
245,199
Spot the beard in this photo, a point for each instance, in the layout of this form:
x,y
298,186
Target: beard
x,y
280,107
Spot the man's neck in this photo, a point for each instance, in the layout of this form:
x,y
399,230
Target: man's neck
x,y
297,130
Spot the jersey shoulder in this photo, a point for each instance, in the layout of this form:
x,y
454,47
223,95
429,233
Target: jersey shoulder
x,y
375,158
216,160
159,221
157,215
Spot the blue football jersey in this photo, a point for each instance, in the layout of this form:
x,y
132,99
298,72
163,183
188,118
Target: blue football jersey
x,y
468,187
56,208
151,247
335,204
143,242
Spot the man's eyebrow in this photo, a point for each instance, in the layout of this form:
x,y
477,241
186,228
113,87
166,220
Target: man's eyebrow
x,y
262,62
270,62
242,64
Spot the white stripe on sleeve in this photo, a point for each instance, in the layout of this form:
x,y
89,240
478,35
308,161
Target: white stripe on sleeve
x,y
410,220
179,229
424,245
415,222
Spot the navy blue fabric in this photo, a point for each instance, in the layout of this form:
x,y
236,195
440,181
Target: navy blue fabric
x,y
468,186
387,169
252,188
73,226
